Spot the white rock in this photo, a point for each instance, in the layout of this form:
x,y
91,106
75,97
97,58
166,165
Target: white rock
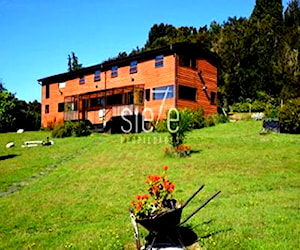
x,y
10,145
20,131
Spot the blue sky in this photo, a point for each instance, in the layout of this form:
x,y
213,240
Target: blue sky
x,y
38,35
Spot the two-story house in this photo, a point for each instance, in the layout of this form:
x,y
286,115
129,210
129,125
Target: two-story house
x,y
147,84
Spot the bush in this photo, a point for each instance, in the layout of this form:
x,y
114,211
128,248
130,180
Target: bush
x,y
198,118
68,129
289,117
258,106
160,126
81,128
255,106
179,128
209,121
220,118
240,107
271,111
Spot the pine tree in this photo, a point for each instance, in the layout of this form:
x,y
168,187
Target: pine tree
x,y
272,8
73,63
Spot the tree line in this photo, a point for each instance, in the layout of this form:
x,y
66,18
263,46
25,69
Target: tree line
x,y
259,55
17,114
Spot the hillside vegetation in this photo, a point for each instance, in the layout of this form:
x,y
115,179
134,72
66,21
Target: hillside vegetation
x,y
82,200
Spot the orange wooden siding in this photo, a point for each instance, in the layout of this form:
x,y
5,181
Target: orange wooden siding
x,y
189,77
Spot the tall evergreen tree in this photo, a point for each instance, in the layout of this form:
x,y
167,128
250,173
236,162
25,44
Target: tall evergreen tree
x,y
272,8
73,63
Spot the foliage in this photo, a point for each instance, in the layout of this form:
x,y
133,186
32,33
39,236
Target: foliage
x,y
198,118
265,8
8,107
289,117
160,189
209,121
220,118
248,106
73,63
67,129
160,126
15,113
258,54
180,122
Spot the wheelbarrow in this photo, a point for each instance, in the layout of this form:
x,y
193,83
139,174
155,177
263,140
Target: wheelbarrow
x,y
166,226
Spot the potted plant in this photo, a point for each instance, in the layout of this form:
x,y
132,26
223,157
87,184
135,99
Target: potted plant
x,y
157,210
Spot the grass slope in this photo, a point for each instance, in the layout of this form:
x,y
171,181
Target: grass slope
x,y
83,203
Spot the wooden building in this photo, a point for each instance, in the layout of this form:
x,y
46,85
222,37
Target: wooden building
x,y
148,84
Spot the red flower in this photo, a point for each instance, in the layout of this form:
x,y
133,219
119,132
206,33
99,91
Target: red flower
x,y
146,196
166,168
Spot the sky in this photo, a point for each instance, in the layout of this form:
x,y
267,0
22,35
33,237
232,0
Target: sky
x,y
36,36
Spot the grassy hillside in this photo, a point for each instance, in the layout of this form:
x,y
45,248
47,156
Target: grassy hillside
x,y
82,188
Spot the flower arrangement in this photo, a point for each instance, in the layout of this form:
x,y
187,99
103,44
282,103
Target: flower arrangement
x,y
159,198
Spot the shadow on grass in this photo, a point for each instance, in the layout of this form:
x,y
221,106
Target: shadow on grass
x,y
196,151
213,233
183,235
216,232
5,157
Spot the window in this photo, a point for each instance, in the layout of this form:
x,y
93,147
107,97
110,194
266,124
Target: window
x,y
187,61
159,61
47,109
213,98
81,80
61,85
147,95
187,93
47,90
61,107
114,71
115,99
133,67
97,76
163,92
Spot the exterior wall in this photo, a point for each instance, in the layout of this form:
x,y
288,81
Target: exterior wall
x,y
189,77
55,97
147,74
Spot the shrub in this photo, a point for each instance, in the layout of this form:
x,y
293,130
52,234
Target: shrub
x,y
289,117
198,118
179,128
62,130
240,107
220,118
160,126
271,111
209,121
81,128
67,129
258,106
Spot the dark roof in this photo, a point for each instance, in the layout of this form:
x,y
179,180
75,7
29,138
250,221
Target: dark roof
x,y
179,48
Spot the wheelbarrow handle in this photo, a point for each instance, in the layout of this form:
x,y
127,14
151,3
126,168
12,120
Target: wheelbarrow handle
x,y
189,199
199,208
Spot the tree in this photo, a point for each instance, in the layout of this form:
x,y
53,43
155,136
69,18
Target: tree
x,y
8,104
73,63
15,114
271,8
1,87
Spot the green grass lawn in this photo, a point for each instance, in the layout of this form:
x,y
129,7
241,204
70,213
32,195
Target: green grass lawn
x,y
82,203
